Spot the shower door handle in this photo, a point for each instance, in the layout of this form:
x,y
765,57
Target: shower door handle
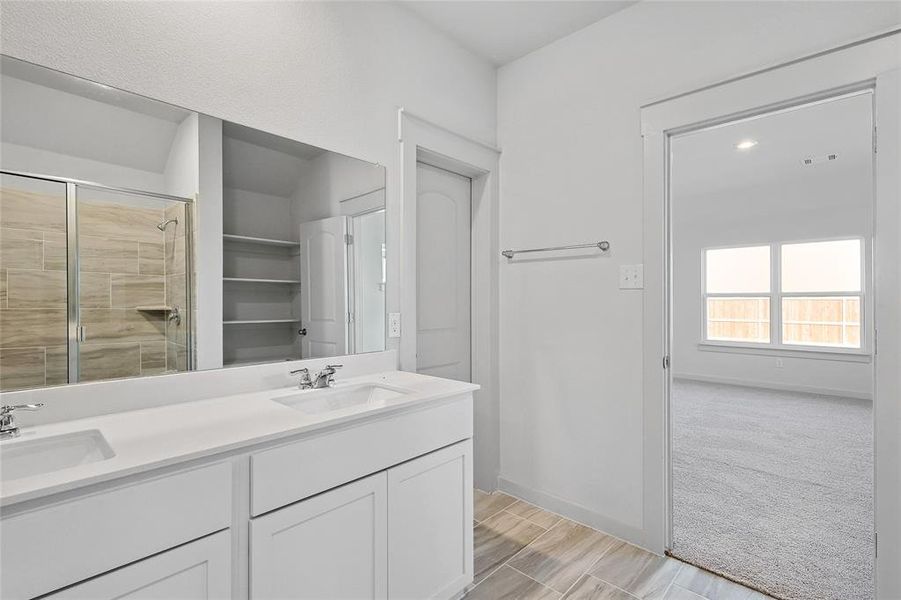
x,y
81,333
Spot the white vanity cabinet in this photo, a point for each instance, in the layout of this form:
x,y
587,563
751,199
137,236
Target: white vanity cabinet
x,y
430,516
75,538
199,570
403,533
330,547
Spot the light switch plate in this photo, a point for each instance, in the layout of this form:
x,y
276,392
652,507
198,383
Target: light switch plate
x,y
631,277
393,325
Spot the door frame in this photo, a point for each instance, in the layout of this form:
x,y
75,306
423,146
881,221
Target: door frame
x,y
421,140
875,63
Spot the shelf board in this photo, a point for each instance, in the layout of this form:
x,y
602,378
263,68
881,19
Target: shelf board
x,y
259,321
231,237
154,308
257,361
258,280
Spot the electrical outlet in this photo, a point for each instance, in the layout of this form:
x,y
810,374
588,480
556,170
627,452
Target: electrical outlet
x,y
393,325
779,363
631,277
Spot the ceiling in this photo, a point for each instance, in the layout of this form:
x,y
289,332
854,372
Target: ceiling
x,y
504,30
708,163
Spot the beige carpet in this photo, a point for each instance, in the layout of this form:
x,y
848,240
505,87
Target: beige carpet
x,y
775,489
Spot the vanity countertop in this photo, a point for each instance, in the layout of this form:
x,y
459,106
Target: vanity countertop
x,y
158,437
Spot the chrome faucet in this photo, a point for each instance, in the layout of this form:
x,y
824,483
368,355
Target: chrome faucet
x,y
326,377
305,383
8,426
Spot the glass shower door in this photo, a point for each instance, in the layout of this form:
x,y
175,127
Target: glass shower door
x,y
133,284
33,283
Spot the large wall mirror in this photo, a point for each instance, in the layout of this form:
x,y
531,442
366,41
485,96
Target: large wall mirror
x,y
139,238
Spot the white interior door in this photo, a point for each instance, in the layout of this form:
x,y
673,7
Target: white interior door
x,y
323,287
443,207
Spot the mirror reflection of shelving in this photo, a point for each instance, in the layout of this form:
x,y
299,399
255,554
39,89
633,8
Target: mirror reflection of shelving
x,y
261,254
261,300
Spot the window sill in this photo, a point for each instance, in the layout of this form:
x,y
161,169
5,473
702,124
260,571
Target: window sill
x,y
815,353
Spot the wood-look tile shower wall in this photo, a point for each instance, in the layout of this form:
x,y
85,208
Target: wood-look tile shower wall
x,y
125,262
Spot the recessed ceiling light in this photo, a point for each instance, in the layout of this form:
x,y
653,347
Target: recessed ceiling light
x,y
745,144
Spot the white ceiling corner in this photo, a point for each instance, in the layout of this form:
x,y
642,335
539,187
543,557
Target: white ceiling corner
x,y
501,31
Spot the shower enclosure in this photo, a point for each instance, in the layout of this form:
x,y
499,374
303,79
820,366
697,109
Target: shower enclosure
x,y
95,282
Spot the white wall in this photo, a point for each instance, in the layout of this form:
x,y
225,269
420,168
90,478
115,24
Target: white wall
x,y
181,171
571,405
208,244
779,218
330,179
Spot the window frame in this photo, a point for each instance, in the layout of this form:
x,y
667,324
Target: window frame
x,y
776,295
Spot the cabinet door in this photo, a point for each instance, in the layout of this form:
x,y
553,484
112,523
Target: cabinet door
x,y
198,570
331,546
430,520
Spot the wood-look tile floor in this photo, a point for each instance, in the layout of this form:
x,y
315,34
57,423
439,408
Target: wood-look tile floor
x,y
525,553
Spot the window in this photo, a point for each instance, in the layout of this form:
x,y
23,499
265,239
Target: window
x,y
737,290
810,294
821,293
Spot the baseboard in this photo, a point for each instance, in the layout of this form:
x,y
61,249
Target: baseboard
x,y
778,386
574,512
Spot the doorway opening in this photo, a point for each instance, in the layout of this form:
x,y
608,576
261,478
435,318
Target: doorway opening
x,y
771,380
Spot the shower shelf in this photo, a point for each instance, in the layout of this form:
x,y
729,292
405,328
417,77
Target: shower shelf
x,y
154,308
246,239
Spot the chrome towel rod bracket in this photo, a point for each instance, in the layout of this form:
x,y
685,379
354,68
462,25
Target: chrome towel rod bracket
x,y
603,246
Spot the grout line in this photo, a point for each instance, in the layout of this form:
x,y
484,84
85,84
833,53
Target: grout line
x,y
603,555
535,580
559,518
506,506
541,535
505,563
673,582
605,582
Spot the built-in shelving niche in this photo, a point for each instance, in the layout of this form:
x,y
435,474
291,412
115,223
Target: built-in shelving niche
x,y
261,299
260,251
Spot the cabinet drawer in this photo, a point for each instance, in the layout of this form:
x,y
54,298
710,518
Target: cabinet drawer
x,y
51,547
195,571
295,471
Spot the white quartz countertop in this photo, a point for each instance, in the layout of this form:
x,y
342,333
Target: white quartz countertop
x,y
167,435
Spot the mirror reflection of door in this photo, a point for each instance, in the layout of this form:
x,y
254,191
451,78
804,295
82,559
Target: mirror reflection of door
x,y
443,209
323,287
367,276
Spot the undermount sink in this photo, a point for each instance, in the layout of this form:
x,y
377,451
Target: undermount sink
x,y
26,458
315,402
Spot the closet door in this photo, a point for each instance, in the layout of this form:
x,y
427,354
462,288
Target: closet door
x,y
443,223
330,547
323,287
